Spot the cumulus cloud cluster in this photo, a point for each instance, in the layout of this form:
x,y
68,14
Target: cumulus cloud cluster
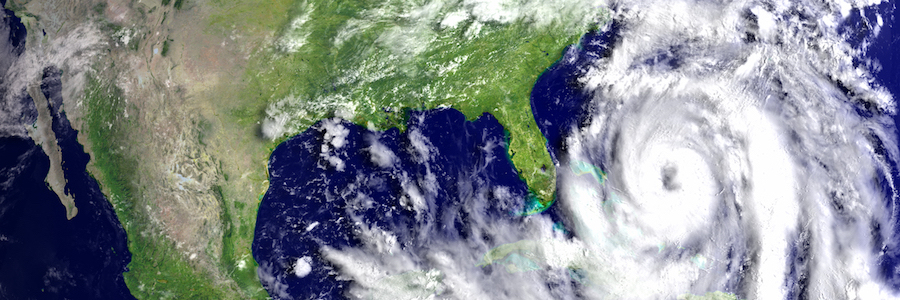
x,y
731,149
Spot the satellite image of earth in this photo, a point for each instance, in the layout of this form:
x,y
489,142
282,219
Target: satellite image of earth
x,y
449,149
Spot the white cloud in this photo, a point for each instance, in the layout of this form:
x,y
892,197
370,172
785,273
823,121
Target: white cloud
x,y
296,34
334,161
413,197
73,52
302,266
335,138
421,145
335,132
452,20
716,161
495,11
273,281
381,155
290,115
451,268
274,127
752,119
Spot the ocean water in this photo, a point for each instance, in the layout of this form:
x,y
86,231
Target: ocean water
x,y
340,192
42,254
879,42
740,149
756,156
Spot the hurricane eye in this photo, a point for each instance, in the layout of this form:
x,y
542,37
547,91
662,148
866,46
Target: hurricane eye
x,y
669,178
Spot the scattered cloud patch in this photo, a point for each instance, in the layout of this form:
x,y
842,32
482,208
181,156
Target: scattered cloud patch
x,y
272,279
413,198
312,226
421,146
335,137
335,132
296,34
302,266
380,154
73,52
292,114
453,19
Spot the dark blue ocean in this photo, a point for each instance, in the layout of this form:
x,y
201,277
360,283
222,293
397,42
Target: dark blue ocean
x,y
304,190
43,255
559,105
883,60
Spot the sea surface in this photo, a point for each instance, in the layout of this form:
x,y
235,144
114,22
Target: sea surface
x,y
879,43
341,186
742,149
42,254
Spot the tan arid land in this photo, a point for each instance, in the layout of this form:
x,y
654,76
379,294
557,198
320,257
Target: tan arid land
x,y
43,134
180,137
172,99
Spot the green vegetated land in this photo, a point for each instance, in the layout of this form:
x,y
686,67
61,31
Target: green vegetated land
x,y
157,269
368,62
371,62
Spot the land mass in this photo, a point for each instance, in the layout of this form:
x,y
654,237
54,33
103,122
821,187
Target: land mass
x,y
184,101
43,135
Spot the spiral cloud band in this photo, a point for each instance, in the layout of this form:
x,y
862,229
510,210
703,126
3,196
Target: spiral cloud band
x,y
704,150
742,151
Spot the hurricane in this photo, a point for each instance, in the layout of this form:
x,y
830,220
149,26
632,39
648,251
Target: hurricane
x,y
761,166
704,150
